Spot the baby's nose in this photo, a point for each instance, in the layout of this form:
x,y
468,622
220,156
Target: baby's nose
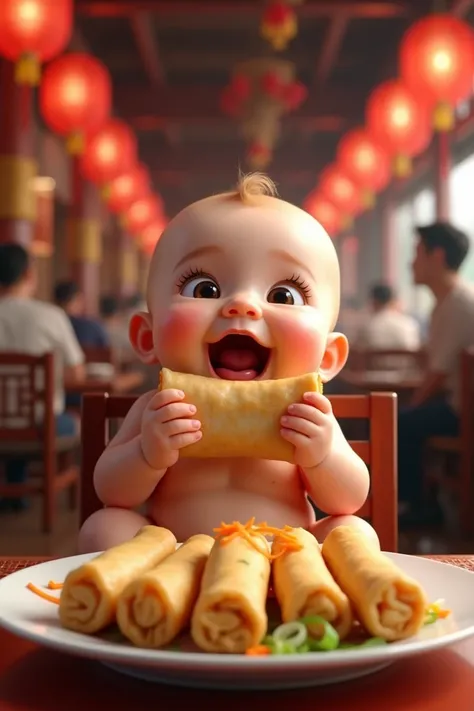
x,y
244,306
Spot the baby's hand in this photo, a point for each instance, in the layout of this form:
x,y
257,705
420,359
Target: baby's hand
x,y
308,426
167,427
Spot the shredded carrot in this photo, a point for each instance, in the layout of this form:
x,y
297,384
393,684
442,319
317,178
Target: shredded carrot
x,y
251,531
42,593
52,585
260,650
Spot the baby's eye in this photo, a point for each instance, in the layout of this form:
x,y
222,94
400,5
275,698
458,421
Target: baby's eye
x,y
201,288
285,294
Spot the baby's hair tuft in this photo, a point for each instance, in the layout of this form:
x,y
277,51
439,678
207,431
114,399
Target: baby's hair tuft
x,y
254,185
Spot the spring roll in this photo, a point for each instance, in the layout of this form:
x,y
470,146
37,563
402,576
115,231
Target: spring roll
x,y
157,606
304,586
388,603
230,613
240,418
90,593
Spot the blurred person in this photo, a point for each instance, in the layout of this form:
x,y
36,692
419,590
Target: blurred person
x,y
351,317
116,326
33,327
386,327
434,411
89,331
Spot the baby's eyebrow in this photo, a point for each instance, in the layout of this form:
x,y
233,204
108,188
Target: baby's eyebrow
x,y
292,260
199,252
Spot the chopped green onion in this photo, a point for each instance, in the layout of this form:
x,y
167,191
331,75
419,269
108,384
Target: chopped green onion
x,y
294,633
329,639
372,642
430,617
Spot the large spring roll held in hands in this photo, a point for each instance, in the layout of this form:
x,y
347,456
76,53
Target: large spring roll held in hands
x,y
90,593
230,613
157,606
388,603
304,586
240,418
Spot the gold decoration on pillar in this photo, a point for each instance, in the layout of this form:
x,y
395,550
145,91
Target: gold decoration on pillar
x,y
368,199
17,197
347,223
84,241
28,70
130,267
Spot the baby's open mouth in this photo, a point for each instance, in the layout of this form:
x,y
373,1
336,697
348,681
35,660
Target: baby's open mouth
x,y
238,357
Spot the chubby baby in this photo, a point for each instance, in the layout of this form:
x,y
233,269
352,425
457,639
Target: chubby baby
x,y
242,286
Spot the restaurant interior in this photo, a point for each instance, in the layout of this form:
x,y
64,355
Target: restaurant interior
x,y
117,114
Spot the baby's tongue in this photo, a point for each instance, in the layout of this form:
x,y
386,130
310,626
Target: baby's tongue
x,y
237,364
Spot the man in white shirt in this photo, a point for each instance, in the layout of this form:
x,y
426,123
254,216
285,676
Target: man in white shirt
x,y
387,328
440,252
34,327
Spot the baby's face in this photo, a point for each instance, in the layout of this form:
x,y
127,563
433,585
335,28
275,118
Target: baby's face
x,y
243,292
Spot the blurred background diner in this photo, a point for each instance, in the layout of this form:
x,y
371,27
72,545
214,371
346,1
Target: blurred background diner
x,y
115,115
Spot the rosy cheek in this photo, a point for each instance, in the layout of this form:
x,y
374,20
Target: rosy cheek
x,y
300,341
179,335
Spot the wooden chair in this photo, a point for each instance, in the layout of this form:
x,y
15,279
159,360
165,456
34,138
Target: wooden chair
x,y
461,448
379,453
405,361
27,430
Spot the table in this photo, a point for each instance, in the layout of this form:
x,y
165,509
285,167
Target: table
x,y
36,679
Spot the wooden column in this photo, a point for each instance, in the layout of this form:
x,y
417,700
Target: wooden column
x,y
389,238
85,238
129,267
17,159
443,167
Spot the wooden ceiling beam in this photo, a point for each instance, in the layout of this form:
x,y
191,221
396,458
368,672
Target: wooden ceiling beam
x,y
330,49
199,104
249,8
460,8
147,45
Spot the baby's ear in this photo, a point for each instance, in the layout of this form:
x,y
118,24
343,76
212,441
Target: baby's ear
x,y
335,356
141,337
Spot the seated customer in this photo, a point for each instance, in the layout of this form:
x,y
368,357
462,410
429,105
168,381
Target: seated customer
x,y
440,252
34,327
386,327
116,326
89,332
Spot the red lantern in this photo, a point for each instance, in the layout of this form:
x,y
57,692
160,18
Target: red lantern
x,y
341,191
437,64
365,162
127,189
240,87
151,235
33,31
142,213
110,152
399,122
324,212
278,24
75,97
272,85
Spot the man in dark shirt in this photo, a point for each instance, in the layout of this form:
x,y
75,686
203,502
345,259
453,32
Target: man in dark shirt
x,y
89,332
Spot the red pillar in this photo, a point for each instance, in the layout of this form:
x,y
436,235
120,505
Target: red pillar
x,y
17,159
443,167
85,238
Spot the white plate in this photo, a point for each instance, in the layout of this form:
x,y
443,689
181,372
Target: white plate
x,y
29,616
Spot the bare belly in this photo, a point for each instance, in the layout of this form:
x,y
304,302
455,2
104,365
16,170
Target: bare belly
x,y
196,495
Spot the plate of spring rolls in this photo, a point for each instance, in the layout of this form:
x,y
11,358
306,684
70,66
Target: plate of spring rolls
x,y
250,607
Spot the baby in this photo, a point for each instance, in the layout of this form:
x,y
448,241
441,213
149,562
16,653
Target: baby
x,y
242,286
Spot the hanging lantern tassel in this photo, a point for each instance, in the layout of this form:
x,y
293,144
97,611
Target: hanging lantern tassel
x,y
105,192
279,25
443,118
75,144
347,223
28,70
402,166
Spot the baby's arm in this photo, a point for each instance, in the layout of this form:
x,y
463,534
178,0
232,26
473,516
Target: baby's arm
x,y
339,485
122,476
158,425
